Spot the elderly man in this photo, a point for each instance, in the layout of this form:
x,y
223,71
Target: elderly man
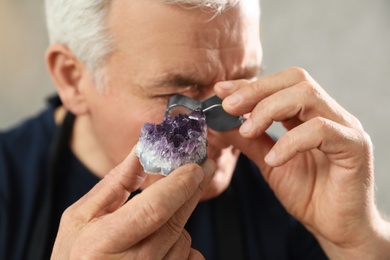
x,y
115,64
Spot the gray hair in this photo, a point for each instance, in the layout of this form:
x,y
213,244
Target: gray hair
x,y
81,25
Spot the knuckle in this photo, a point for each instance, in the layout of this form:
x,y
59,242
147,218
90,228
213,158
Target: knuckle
x,y
366,141
263,110
256,89
354,122
152,216
255,86
67,214
300,73
322,125
195,255
289,140
366,137
264,113
73,218
187,237
174,226
119,176
309,89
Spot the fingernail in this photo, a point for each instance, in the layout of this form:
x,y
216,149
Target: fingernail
x,y
246,127
198,175
270,157
209,167
227,85
232,100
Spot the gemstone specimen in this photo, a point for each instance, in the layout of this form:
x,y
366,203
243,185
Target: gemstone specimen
x,y
178,140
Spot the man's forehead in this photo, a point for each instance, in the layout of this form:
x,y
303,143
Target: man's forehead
x,y
248,8
179,23
162,50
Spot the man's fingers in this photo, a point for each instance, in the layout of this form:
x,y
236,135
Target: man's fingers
x,y
112,191
240,97
181,249
336,141
303,101
154,207
226,88
195,255
162,240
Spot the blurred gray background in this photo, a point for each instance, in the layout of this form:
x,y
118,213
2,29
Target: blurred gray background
x,y
344,45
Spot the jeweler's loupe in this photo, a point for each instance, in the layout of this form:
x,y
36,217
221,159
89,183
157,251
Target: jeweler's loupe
x,y
216,118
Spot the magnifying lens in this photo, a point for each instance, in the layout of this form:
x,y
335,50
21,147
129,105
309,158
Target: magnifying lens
x,y
216,118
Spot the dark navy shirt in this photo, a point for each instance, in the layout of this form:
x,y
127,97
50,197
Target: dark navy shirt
x,y
266,230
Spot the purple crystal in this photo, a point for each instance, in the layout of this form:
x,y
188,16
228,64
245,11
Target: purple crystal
x,y
176,141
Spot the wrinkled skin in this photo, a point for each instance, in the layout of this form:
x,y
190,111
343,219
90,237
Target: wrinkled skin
x,y
149,226
320,169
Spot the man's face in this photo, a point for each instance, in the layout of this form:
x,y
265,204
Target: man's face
x,y
162,50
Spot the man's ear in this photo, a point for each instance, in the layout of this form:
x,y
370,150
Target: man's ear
x,y
67,72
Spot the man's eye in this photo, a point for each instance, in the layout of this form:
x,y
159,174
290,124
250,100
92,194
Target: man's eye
x,y
162,98
167,96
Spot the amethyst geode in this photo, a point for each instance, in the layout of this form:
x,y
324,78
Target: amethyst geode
x,y
176,141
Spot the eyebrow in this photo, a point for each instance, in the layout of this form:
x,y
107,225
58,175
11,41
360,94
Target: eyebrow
x,y
178,80
181,80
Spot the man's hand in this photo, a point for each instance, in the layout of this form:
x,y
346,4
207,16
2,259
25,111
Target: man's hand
x,y
149,226
321,169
